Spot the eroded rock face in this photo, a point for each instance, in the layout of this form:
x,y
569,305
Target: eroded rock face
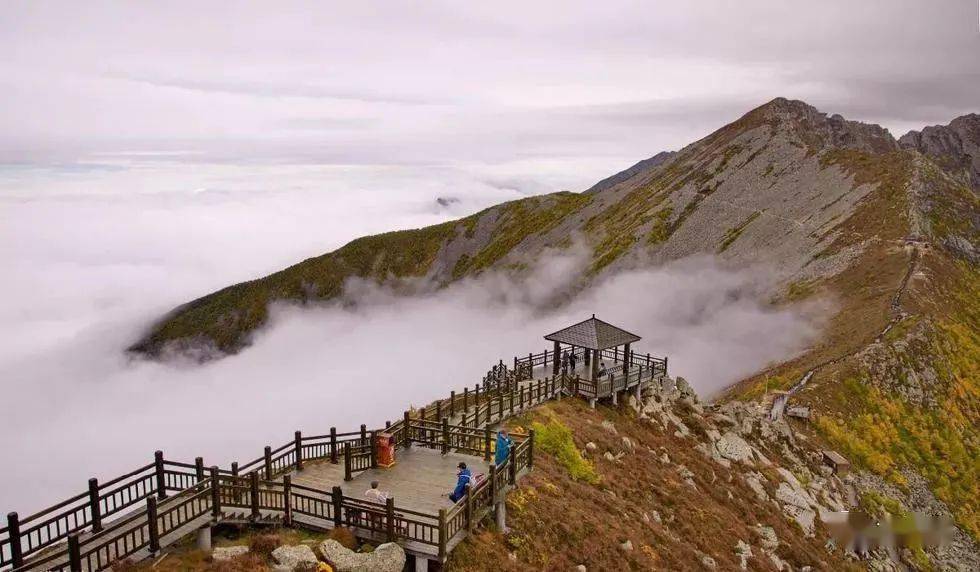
x,y
955,146
387,557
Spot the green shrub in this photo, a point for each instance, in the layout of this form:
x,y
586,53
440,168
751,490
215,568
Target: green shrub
x,y
556,439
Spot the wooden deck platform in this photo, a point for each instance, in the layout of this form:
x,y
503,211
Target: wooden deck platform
x,y
419,480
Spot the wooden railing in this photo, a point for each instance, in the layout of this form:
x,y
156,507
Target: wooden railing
x,y
90,529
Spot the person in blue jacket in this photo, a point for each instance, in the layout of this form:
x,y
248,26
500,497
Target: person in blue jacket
x,y
463,477
504,445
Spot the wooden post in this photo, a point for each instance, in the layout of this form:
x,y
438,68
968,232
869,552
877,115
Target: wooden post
x,y
254,485
476,396
511,468
268,463
234,473
363,433
470,517
530,450
515,364
333,445
161,476
74,553
390,518
557,364
442,535
95,507
287,500
216,492
452,404
152,524
13,533
626,358
406,429
520,390
337,499
476,415
347,470
511,402
374,451
445,435
486,445
298,445
464,420
199,468
665,365
466,399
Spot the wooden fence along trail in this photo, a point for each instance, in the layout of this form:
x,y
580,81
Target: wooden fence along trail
x,y
135,515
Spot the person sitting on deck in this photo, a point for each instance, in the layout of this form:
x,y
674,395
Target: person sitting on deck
x,y
377,495
462,479
504,445
602,369
571,361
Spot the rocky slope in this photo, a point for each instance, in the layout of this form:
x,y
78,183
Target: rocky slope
x,y
671,484
887,231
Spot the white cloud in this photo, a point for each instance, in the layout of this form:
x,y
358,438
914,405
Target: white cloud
x,y
90,270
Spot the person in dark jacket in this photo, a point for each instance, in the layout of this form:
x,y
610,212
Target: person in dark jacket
x,y
463,477
504,445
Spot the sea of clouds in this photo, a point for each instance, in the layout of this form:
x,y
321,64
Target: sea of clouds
x,y
94,253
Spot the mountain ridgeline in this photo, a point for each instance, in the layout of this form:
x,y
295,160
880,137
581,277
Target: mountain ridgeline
x,y
785,183
888,230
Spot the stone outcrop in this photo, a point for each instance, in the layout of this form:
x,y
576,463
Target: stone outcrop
x,y
293,557
387,557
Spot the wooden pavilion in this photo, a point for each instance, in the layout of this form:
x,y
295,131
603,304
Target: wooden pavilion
x,y
594,337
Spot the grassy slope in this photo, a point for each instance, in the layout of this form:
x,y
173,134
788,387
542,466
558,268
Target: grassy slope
x,y
861,412
558,521
227,317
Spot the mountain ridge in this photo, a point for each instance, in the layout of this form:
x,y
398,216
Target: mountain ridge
x,y
887,229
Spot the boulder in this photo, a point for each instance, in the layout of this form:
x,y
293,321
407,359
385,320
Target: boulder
x,y
744,552
581,568
388,557
755,480
767,537
628,444
803,516
734,448
608,456
291,557
591,447
626,546
787,495
223,553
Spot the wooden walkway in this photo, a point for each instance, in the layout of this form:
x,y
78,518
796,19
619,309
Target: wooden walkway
x,y
420,480
303,481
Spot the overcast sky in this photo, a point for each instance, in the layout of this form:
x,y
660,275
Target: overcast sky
x,y
436,82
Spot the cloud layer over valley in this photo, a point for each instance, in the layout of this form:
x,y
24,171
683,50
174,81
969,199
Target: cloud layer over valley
x,y
92,268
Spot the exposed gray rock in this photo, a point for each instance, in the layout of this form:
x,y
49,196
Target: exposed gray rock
x,y
744,552
626,546
591,447
755,480
222,553
290,557
767,537
734,448
388,557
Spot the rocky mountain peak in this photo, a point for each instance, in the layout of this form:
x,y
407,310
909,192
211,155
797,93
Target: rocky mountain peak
x,y
817,129
955,147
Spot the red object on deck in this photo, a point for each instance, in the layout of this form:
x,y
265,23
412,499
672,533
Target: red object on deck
x,y
385,443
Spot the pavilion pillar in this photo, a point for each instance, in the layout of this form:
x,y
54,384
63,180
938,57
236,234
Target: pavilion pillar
x,y
626,358
557,360
588,357
595,363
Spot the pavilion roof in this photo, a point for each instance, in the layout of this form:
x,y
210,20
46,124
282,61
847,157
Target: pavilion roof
x,y
593,334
